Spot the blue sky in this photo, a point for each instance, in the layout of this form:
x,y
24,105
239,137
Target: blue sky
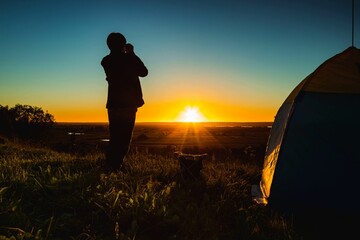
x,y
240,55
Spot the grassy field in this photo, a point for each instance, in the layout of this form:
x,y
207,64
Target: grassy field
x,y
48,194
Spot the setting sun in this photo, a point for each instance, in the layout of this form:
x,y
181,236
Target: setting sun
x,y
191,114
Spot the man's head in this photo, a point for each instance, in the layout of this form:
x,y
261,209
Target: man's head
x,y
116,41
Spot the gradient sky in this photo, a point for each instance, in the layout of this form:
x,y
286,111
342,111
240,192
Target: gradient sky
x,y
233,60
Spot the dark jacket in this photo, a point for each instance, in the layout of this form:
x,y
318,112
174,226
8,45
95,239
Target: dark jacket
x,y
122,74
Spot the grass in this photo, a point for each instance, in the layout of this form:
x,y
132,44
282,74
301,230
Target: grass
x,y
45,194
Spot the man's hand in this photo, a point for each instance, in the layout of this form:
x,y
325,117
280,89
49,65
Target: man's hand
x,y
129,48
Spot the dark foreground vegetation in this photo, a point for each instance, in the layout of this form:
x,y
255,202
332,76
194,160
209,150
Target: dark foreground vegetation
x,y
46,194
52,185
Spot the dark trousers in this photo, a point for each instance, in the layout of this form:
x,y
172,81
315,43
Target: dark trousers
x,y
121,125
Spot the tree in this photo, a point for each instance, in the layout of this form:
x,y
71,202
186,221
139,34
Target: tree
x,y
25,121
6,124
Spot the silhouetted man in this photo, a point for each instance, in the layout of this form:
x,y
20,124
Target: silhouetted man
x,y
123,69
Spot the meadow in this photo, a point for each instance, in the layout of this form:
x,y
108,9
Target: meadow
x,y
58,190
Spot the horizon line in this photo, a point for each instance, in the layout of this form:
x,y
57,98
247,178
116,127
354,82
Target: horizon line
x,y
106,122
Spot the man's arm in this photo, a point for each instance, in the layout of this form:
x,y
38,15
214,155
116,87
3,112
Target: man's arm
x,y
141,70
139,66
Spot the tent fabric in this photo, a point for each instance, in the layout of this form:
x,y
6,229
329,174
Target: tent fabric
x,y
312,157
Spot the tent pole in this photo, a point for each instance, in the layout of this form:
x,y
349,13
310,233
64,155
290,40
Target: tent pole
x,y
353,22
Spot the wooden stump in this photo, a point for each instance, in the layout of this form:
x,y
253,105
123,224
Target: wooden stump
x,y
190,164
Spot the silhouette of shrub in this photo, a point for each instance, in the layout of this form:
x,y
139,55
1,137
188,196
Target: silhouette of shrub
x,y
25,121
6,124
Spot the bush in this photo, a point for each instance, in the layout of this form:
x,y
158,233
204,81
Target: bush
x,y
6,124
25,121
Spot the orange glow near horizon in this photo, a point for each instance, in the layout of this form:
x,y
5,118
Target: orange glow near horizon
x,y
75,115
174,112
178,110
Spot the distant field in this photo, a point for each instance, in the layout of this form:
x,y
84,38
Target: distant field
x,y
186,137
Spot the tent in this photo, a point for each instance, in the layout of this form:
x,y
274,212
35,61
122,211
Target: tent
x,y
312,159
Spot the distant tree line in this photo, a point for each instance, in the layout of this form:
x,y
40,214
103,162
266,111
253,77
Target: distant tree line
x,y
25,121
